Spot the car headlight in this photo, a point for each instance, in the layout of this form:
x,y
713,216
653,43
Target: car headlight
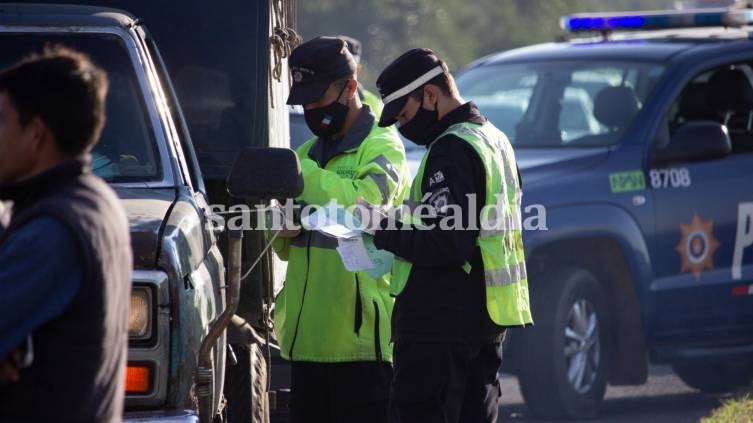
x,y
140,314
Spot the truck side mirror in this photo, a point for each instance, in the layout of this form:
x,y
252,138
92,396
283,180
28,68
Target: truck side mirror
x,y
693,141
264,172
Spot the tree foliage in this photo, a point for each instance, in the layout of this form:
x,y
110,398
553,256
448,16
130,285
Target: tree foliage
x,y
459,31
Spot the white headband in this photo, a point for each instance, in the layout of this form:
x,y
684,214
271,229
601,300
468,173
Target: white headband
x,y
421,80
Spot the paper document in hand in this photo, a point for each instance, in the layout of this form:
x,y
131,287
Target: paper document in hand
x,y
340,224
382,259
353,253
360,253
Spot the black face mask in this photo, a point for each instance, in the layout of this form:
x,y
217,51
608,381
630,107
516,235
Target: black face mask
x,y
327,120
418,129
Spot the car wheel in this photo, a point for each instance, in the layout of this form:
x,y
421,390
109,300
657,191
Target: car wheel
x,y
246,386
564,374
716,377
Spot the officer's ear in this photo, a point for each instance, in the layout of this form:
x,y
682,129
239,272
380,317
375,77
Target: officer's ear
x,y
431,95
351,88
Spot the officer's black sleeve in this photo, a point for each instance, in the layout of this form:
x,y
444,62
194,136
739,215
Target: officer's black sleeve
x,y
453,179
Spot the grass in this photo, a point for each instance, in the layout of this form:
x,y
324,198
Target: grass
x,y
735,410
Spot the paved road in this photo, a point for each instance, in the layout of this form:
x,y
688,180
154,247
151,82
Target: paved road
x,y
664,398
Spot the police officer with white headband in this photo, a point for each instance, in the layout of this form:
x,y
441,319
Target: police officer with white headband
x,y
457,286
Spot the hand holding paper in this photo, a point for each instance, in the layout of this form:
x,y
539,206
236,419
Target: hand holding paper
x,y
356,247
369,214
360,253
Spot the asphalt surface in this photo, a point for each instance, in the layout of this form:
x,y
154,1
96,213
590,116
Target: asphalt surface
x,y
664,398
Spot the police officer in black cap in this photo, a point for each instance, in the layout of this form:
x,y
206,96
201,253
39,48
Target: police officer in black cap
x,y
457,286
333,324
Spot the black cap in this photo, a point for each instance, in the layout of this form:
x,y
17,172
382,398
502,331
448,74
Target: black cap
x,y
354,46
408,72
315,64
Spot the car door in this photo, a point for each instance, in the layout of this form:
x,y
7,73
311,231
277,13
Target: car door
x,y
702,290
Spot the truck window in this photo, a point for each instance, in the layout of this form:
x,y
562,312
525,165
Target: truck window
x,y
723,95
570,104
126,151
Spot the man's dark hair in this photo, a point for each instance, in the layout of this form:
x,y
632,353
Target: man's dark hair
x,y
443,81
65,90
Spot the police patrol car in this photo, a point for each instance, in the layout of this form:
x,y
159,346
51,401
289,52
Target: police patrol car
x,y
638,144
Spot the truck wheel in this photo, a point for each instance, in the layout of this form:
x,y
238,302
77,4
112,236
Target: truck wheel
x,y
715,378
246,386
564,370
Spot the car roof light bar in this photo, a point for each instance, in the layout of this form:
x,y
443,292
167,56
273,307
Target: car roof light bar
x,y
649,20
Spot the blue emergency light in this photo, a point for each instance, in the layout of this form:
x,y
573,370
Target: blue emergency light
x,y
599,22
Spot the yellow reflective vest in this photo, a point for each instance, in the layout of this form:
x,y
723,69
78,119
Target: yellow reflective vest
x,y
500,237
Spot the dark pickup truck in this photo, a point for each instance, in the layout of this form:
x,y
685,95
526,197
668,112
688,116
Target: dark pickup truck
x,y
168,169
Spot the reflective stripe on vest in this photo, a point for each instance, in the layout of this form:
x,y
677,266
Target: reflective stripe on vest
x,y
500,237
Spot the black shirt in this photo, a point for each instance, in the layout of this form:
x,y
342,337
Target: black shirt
x,y
441,302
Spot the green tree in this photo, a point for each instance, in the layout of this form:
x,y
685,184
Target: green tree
x,y
458,31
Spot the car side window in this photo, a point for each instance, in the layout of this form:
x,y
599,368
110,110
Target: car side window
x,y
723,95
299,131
564,104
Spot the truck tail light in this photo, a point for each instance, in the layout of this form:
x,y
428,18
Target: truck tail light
x,y
138,379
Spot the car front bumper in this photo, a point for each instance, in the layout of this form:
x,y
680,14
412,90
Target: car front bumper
x,y
161,417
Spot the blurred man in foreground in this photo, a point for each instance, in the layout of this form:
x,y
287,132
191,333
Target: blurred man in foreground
x,y
65,257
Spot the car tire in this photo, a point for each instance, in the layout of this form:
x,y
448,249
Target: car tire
x,y
246,385
714,378
566,353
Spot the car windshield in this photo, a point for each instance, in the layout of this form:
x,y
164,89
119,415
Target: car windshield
x,y
561,104
126,151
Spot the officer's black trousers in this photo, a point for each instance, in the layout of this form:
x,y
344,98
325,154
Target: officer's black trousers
x,y
445,382
340,392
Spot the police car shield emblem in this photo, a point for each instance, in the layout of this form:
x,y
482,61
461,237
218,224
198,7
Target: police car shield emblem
x,y
697,246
